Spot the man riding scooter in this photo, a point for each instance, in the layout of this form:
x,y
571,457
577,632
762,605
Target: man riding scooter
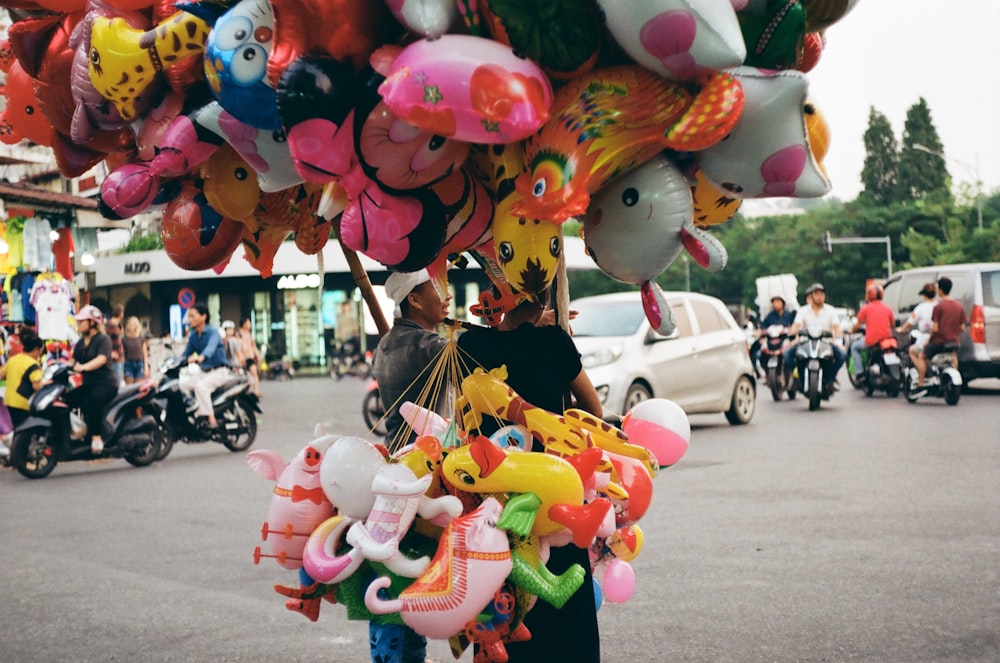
x,y
878,321
817,314
778,315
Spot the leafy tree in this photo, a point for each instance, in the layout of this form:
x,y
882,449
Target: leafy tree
x,y
922,173
881,161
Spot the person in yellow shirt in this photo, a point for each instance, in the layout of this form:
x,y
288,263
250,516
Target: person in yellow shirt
x,y
21,367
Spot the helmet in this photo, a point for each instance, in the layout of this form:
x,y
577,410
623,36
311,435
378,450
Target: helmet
x,y
814,287
90,312
773,297
874,292
229,324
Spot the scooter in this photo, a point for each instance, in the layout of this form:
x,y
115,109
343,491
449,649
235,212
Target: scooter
x,y
372,410
772,349
235,405
54,433
813,357
883,369
347,359
943,380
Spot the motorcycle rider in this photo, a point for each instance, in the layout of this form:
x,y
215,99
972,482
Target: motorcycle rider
x,y
778,315
920,319
878,320
92,358
948,321
206,353
817,313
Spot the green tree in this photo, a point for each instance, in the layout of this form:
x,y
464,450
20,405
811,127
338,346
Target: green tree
x,y
922,173
881,161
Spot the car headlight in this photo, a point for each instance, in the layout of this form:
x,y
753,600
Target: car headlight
x,y
601,357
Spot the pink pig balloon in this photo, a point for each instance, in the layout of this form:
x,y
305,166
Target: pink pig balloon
x,y
468,88
298,504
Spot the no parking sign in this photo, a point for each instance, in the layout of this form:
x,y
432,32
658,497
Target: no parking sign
x,y
185,297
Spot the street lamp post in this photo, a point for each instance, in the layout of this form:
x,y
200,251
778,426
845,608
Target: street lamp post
x,y
969,170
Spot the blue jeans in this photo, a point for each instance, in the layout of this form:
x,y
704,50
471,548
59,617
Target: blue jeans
x,y
856,348
396,643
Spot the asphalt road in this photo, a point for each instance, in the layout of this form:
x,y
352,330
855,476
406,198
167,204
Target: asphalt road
x,y
866,531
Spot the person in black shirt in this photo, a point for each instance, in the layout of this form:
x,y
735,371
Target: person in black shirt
x,y
92,358
543,367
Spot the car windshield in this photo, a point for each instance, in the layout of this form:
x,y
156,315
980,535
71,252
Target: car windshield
x,y
604,318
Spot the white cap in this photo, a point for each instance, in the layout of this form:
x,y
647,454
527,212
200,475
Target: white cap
x,y
400,284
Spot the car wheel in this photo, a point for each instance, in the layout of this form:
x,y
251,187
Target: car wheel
x,y
744,402
636,394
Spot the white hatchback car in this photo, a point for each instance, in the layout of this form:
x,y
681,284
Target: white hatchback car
x,y
704,366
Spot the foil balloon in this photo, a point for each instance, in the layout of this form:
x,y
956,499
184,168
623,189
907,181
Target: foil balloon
x,y
345,30
712,205
190,141
400,156
767,154
638,224
562,36
298,504
195,236
152,128
230,185
775,34
21,118
611,121
527,249
315,99
125,61
43,50
236,56
468,88
678,39
661,426
93,111
428,18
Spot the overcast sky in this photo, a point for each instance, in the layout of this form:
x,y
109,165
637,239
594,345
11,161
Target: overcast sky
x,y
888,54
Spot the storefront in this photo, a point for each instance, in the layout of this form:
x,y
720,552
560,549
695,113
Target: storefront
x,y
293,313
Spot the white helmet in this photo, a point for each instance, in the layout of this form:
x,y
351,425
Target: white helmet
x,y
229,324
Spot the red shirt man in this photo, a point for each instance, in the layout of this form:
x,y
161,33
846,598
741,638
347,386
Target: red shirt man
x,y
879,321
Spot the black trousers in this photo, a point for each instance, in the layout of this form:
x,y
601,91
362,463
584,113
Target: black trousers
x,y
92,399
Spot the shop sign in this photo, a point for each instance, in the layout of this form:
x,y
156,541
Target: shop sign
x,y
298,281
137,267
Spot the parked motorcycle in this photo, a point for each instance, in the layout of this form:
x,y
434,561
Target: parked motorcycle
x,y
235,404
883,370
54,433
372,410
943,380
813,357
771,350
347,359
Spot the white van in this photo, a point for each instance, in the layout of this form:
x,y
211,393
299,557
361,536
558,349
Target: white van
x,y
977,287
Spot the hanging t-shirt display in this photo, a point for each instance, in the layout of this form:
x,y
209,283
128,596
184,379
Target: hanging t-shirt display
x,y
37,243
63,250
15,242
28,311
52,300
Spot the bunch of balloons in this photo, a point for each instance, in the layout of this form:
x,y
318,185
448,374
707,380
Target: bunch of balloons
x,y
422,129
456,527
